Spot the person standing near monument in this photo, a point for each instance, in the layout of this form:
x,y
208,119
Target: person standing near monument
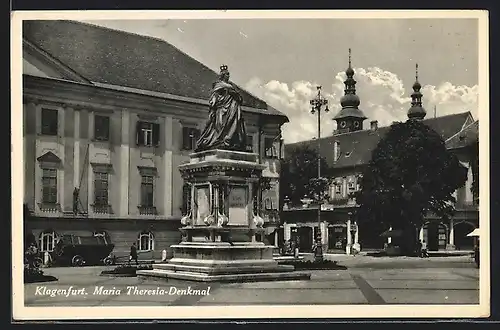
x,y
133,254
225,128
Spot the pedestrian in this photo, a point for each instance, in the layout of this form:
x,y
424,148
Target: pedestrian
x,y
419,248
133,254
423,249
296,249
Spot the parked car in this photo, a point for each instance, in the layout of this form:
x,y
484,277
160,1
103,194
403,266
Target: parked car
x,y
77,251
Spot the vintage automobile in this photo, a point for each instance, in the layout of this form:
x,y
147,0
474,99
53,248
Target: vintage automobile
x,y
82,250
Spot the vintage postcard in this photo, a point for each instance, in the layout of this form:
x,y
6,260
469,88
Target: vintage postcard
x,y
270,164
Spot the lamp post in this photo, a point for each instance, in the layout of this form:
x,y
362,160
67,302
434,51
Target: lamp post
x,y
316,107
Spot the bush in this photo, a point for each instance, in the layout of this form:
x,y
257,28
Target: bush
x,y
35,274
126,270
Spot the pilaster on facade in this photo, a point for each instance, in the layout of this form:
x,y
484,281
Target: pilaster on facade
x,y
167,176
124,185
76,149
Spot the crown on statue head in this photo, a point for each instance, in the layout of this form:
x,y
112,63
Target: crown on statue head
x,y
223,68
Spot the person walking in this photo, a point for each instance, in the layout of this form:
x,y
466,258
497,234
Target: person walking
x,y
423,249
133,254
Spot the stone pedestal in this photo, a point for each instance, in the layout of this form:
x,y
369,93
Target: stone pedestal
x,y
221,228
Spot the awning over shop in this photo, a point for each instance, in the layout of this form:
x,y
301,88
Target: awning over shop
x,y
474,233
392,233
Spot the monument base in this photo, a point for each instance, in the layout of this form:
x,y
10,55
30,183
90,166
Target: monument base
x,y
223,262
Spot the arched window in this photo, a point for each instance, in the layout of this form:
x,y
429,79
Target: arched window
x,y
47,240
146,242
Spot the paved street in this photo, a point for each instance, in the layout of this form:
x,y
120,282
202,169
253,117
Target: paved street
x,y
367,280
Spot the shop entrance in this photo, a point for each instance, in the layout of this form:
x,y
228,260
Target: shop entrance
x,y
304,235
337,238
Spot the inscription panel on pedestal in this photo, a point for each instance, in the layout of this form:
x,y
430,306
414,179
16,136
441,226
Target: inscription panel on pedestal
x,y
238,206
202,204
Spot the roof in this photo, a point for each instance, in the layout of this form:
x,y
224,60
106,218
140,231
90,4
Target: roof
x,y
466,137
356,147
120,58
350,112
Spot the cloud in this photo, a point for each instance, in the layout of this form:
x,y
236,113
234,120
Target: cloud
x,y
382,93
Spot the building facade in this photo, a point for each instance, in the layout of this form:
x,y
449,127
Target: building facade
x,y
348,151
108,117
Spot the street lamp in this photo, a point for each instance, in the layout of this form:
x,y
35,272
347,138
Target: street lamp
x,y
316,106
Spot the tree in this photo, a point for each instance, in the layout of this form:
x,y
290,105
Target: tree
x,y
299,176
410,174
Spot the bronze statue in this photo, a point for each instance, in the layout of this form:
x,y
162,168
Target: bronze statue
x,y
225,128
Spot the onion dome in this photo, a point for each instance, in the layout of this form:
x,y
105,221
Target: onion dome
x,y
350,101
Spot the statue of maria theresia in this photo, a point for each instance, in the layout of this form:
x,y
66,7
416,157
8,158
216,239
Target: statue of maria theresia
x,y
225,128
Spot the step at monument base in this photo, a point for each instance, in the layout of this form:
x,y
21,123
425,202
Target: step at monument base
x,y
235,277
222,262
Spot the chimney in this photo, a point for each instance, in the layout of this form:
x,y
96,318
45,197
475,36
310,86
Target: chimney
x,y
373,125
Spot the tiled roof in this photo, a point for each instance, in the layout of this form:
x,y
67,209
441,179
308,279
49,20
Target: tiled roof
x,y
466,137
120,58
356,147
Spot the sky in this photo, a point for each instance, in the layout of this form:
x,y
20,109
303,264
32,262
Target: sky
x,y
283,60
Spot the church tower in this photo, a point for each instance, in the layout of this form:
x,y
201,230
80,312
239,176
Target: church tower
x,y
416,111
350,118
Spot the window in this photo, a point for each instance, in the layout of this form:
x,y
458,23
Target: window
x,y
101,128
189,138
147,190
268,204
49,186
100,188
271,151
102,237
47,241
338,188
249,143
148,134
49,122
351,185
146,242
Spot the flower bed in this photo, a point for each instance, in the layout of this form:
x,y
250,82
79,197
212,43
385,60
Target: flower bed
x,y
125,270
313,265
35,275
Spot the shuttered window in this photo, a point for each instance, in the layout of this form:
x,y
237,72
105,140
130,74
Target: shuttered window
x,y
148,134
49,186
50,122
101,128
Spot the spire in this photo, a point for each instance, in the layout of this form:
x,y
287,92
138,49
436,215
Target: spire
x,y
416,110
350,116
350,83
350,99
